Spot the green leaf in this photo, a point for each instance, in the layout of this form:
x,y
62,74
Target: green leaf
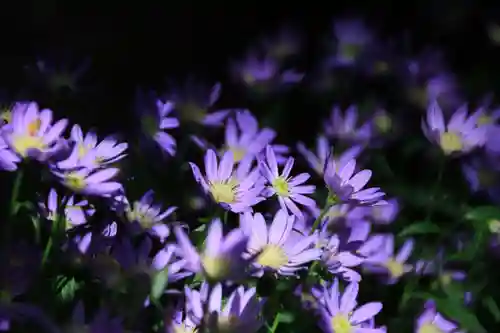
x,y
456,310
420,228
160,282
286,317
483,213
492,306
67,289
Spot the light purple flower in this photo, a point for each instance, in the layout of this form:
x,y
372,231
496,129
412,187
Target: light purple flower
x,y
166,258
352,37
32,134
324,150
155,122
149,216
241,313
288,189
460,135
276,247
340,311
344,127
347,187
432,321
193,103
222,257
90,182
8,160
231,191
386,213
180,323
384,260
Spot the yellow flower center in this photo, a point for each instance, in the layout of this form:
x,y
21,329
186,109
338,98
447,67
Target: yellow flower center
x,y
143,218
249,78
272,256
191,111
238,153
350,51
281,187
23,143
183,329
341,324
429,328
484,120
75,181
450,142
494,226
383,123
33,127
445,278
6,116
83,150
395,268
224,192
216,268
228,324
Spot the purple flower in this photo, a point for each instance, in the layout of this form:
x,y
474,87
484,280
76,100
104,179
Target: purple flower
x,y
432,321
31,133
90,182
180,323
222,257
352,37
288,189
347,187
193,102
481,173
241,312
323,151
167,259
344,127
8,160
227,189
385,214
75,214
460,135
385,261
340,250
275,247
340,313
149,216
155,122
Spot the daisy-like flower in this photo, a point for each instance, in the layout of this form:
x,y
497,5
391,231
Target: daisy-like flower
x,y
287,189
460,135
385,261
276,250
8,160
241,312
323,151
431,321
87,153
32,134
385,214
180,323
344,127
155,121
346,187
75,214
167,259
340,313
232,193
222,257
90,182
194,100
340,250
149,216
352,37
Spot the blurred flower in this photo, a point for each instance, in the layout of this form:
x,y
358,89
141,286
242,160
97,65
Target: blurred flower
x,y
385,261
241,313
385,214
31,133
382,122
90,182
222,257
167,259
286,42
273,246
352,38
436,267
149,216
193,102
339,311
180,323
344,127
461,135
482,174
432,321
232,193
346,188
323,151
288,189
8,159
87,153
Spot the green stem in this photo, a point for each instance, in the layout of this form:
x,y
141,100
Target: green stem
x,y
320,218
276,322
226,213
437,184
15,193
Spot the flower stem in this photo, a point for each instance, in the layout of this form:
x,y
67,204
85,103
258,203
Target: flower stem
x,y
320,218
276,322
15,193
